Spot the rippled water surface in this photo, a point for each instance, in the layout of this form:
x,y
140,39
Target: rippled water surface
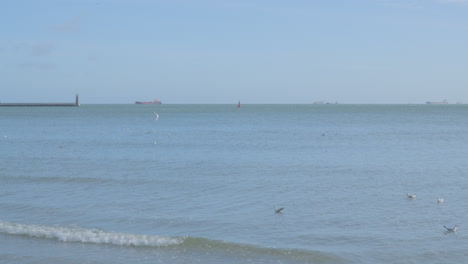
x,y
111,184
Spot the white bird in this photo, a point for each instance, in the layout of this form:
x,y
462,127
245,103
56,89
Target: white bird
x,y
411,196
157,116
279,210
440,200
454,229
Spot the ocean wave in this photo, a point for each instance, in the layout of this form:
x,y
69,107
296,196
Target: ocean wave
x,y
259,254
184,244
88,235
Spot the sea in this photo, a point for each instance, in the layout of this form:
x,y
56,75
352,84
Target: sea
x,y
201,184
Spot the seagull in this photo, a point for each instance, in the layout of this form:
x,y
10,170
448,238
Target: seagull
x,y
279,210
454,229
440,200
157,116
411,196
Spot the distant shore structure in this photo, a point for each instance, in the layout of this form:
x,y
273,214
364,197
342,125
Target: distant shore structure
x,y
441,102
76,103
324,102
156,101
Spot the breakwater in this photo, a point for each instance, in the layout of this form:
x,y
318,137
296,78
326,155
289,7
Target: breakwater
x,y
76,103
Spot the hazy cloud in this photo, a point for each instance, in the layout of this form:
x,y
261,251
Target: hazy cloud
x,y
42,49
92,57
38,66
402,5
414,4
453,1
71,25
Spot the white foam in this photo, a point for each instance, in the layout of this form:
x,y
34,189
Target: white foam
x,y
88,235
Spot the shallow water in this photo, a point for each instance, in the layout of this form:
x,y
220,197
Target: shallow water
x,y
111,184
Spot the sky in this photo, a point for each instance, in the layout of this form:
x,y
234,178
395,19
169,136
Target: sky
x,y
222,51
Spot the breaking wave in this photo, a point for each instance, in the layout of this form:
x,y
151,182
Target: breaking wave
x,y
187,245
88,235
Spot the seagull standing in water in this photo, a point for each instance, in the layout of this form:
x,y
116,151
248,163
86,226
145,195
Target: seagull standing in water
x,y
454,229
279,210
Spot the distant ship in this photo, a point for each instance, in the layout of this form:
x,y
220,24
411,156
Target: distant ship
x,y
324,102
149,102
443,102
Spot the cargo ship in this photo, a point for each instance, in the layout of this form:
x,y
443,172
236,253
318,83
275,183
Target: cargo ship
x,y
443,102
148,102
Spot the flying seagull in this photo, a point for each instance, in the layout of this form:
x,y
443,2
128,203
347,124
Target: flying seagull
x,y
279,210
411,196
440,200
157,116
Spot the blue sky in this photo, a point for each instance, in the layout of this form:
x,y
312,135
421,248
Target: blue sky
x,y
220,51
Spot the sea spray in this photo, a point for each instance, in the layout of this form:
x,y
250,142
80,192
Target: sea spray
x,y
88,235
